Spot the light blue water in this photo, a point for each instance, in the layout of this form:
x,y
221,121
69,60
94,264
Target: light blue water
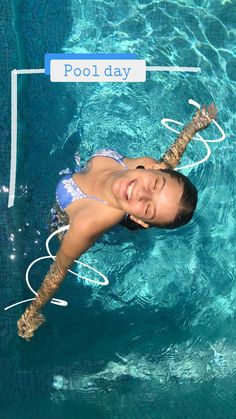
x,y
159,340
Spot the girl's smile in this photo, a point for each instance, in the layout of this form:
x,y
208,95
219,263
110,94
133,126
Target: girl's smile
x,y
151,195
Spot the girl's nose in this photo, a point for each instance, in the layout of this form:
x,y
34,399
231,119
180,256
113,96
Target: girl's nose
x,y
144,194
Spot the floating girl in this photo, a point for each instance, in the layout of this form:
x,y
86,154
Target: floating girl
x,y
137,192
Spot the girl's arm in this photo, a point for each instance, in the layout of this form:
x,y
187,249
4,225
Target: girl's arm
x,y
75,242
86,226
201,120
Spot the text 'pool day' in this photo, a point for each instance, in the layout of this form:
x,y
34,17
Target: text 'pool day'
x,y
93,71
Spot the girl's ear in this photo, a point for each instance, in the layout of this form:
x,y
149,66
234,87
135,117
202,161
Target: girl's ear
x,y
140,222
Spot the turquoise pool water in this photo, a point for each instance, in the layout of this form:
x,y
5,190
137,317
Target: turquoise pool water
x,y
159,340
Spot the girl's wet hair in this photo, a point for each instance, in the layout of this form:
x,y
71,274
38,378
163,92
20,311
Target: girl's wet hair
x,y
187,205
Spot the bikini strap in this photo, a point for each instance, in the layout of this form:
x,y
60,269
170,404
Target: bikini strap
x,y
107,152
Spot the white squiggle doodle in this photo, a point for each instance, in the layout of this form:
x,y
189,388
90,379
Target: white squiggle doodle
x,y
56,300
197,137
164,121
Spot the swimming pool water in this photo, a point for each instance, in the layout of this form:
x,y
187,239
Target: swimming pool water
x,y
159,340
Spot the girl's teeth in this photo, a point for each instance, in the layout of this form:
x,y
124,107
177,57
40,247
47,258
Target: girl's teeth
x,y
129,190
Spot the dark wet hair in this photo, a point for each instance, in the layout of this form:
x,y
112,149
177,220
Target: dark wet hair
x,y
187,205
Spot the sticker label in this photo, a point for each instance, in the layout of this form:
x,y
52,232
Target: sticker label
x,y
97,70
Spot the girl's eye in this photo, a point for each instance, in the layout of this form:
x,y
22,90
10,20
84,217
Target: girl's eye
x,y
149,213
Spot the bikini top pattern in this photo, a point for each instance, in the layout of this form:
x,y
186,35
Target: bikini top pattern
x,y
67,191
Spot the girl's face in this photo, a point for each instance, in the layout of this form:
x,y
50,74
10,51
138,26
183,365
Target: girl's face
x,y
150,195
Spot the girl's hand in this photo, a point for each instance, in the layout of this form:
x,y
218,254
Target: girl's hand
x,y
28,323
204,117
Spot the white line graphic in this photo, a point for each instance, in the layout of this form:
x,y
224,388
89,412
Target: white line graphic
x,y
173,68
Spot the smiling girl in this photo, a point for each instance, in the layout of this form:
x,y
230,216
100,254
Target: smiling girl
x,y
136,192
